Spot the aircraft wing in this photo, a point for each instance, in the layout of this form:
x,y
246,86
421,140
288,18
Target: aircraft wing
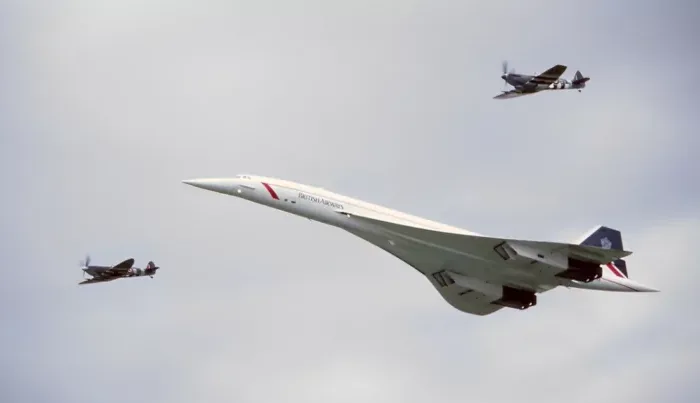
x,y
96,280
511,94
549,76
436,253
428,262
121,268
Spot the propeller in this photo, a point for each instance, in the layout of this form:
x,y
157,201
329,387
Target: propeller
x,y
505,73
85,263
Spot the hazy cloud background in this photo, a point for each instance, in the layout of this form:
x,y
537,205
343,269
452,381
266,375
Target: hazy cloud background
x,y
106,106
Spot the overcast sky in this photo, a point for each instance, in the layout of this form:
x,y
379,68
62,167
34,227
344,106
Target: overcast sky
x,y
106,106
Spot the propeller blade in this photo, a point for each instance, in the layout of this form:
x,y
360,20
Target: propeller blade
x,y
505,72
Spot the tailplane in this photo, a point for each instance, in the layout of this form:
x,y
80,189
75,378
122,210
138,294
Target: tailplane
x,y
579,80
607,238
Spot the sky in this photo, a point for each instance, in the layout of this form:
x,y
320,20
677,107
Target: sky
x,y
105,107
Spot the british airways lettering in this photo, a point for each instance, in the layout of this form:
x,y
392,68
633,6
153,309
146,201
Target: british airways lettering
x,y
320,200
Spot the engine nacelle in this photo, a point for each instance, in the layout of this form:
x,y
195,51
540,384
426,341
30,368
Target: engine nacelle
x,y
581,270
516,298
500,295
524,254
556,263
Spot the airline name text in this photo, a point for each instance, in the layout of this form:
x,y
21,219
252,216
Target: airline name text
x,y
320,200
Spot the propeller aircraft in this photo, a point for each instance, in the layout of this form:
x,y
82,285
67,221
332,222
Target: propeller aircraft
x,y
124,269
525,84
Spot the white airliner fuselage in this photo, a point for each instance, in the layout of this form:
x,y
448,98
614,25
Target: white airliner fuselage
x,y
476,274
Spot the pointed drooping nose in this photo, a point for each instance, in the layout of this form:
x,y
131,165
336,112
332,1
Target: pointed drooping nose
x,y
503,76
220,185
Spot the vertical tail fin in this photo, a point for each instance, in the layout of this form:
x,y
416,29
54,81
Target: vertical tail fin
x,y
579,80
608,238
151,266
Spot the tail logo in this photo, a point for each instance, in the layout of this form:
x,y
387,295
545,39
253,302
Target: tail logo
x,y
605,243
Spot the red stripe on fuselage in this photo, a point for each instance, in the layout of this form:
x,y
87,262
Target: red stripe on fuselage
x,y
615,270
271,190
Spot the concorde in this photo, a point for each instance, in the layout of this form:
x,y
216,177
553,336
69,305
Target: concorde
x,y
474,273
